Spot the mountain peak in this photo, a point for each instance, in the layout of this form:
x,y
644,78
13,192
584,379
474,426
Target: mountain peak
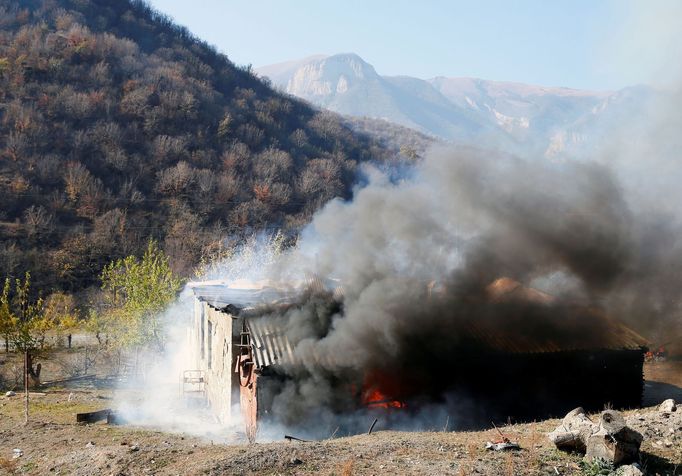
x,y
319,76
346,64
351,59
335,74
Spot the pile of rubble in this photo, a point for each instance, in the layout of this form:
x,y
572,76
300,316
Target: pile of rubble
x,y
615,440
662,427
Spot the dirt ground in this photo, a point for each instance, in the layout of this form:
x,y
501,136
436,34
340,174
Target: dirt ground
x,y
662,380
52,443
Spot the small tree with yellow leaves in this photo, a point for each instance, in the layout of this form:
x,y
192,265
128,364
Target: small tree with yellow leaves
x,y
62,314
8,321
137,292
22,322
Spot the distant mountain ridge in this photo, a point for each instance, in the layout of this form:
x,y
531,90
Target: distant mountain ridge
x,y
346,84
545,120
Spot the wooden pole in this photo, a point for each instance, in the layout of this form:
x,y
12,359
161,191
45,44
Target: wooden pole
x,y
372,427
26,387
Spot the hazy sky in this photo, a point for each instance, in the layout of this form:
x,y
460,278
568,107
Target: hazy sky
x,y
592,44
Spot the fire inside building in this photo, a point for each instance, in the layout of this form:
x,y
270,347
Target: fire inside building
x,y
524,366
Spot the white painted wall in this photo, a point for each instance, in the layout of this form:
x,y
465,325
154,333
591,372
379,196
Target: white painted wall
x,y
217,360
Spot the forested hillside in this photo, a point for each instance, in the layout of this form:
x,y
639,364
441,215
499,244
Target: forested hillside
x,y
116,125
405,143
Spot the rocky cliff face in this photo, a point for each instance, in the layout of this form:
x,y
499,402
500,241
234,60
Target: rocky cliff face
x,y
553,122
345,83
325,77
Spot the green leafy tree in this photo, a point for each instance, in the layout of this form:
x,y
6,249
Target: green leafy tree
x,y
8,321
30,324
62,315
138,291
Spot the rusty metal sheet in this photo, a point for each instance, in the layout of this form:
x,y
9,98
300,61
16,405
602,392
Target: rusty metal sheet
x,y
576,329
248,403
270,343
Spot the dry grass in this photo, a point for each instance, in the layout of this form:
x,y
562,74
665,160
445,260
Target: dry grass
x,y
465,468
532,460
383,452
509,469
8,466
347,468
466,464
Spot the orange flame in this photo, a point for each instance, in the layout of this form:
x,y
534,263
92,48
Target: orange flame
x,y
373,397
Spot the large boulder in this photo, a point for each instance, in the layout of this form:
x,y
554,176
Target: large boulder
x,y
609,438
613,440
573,432
667,406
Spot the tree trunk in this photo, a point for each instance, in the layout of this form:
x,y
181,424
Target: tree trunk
x,y
34,373
85,361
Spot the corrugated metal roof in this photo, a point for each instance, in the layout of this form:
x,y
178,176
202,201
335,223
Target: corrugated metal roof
x,y
536,322
584,330
506,289
569,328
220,295
269,343
511,319
245,294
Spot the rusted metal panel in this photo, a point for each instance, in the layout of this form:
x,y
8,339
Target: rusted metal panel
x,y
270,343
248,384
530,321
599,332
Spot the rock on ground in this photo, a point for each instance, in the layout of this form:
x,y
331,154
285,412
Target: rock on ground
x,y
668,406
630,470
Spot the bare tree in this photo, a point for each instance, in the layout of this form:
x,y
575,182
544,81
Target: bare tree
x,y
273,165
38,221
76,177
176,180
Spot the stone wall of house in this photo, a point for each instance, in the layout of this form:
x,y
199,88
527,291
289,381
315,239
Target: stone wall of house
x,y
215,334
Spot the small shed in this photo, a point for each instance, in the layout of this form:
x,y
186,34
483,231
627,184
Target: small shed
x,y
528,365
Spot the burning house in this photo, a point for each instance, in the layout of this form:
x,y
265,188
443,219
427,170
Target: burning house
x,y
230,349
516,352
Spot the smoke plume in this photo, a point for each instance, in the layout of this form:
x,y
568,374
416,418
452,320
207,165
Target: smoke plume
x,y
407,264
412,259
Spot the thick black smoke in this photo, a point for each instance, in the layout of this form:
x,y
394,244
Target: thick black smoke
x,y
414,260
